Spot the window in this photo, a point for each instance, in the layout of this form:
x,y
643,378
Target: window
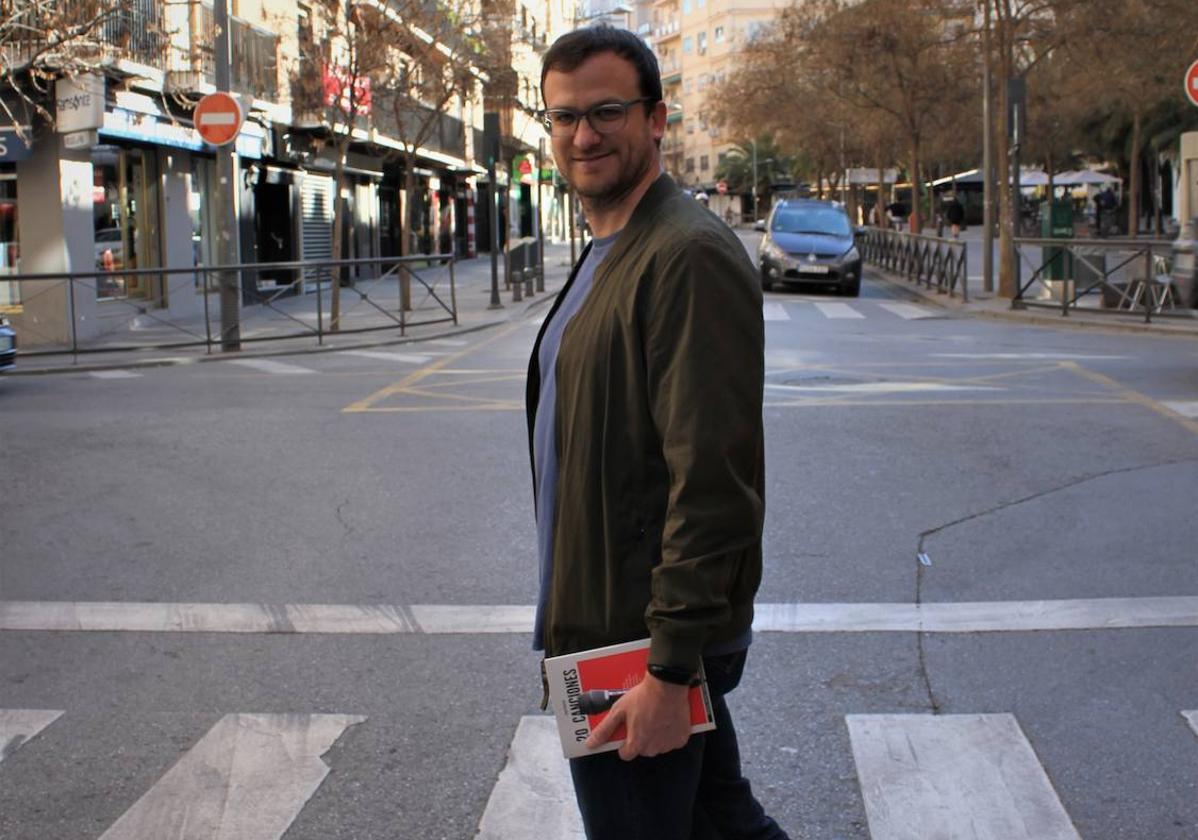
x,y
690,164
688,85
700,3
688,45
719,34
690,128
686,7
702,43
703,163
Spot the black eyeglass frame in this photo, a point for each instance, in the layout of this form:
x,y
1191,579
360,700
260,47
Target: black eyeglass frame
x,y
543,116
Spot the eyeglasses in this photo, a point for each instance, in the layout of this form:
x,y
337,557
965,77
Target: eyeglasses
x,y
605,118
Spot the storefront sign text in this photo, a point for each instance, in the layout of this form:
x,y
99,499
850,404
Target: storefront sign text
x,y
79,104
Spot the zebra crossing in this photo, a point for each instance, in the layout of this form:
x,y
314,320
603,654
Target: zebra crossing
x,y
774,310
919,775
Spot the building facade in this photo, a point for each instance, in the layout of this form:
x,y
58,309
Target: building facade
x,y
119,178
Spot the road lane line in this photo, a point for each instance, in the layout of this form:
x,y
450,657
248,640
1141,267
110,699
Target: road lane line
x,y
1192,717
534,793
1024,356
1132,395
248,778
838,310
375,619
270,366
405,358
448,342
367,403
972,776
115,374
19,726
907,311
1186,408
774,312
879,387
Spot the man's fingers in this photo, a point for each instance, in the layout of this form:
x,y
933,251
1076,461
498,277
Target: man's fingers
x,y
602,733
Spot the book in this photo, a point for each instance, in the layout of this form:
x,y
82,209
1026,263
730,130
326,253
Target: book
x,y
584,685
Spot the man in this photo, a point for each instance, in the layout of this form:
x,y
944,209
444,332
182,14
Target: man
x,y
954,212
644,408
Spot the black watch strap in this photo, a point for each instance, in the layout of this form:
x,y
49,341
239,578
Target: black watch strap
x,y
677,676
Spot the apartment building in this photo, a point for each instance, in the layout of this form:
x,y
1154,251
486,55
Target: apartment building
x,y
696,43
133,188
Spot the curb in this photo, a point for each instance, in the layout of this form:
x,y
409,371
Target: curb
x,y
1025,316
134,364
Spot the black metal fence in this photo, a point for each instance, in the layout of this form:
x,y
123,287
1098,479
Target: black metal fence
x,y
925,260
1102,275
51,320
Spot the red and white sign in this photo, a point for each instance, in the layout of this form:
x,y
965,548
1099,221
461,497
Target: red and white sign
x,y
721,187
1192,83
337,89
218,118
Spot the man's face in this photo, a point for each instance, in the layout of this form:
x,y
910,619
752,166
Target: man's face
x,y
604,167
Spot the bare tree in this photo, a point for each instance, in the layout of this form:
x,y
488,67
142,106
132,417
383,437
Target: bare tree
x,y
43,40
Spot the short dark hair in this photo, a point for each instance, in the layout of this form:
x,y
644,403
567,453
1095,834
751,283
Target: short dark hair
x,y
573,48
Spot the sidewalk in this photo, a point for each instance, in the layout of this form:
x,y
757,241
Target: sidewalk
x,y
472,288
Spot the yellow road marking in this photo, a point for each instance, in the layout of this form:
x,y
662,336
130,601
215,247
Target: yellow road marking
x,y
418,375
1133,396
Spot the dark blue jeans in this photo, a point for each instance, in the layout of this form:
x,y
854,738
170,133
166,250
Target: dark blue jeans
x,y
693,793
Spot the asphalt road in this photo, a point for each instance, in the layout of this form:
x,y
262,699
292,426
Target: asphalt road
x,y
1025,464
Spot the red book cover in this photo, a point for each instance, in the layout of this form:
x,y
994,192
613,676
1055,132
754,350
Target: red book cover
x,y
582,687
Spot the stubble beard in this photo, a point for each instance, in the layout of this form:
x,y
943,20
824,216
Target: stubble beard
x,y
605,198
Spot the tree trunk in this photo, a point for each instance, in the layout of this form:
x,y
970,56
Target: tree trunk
x,y
1134,174
1002,152
338,224
880,205
916,180
405,228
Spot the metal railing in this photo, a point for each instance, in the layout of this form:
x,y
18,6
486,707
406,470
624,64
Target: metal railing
x,y
929,261
1135,279
370,301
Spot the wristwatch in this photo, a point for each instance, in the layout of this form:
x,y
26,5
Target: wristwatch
x,y
676,676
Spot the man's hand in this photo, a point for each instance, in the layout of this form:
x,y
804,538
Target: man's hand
x,y
657,716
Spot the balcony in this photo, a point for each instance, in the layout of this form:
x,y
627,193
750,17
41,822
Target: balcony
x,y
133,30
671,74
666,31
255,65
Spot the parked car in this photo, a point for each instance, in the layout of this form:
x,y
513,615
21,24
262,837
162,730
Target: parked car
x,y
8,346
810,242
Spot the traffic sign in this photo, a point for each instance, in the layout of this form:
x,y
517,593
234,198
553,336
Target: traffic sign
x,y
721,187
218,118
1192,83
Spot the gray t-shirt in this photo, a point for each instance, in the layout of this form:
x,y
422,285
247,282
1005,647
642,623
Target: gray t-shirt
x,y
544,436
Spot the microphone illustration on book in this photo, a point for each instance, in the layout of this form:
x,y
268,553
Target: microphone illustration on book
x,y
598,700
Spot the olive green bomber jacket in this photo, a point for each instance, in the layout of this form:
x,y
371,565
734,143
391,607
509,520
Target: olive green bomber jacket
x,y
660,495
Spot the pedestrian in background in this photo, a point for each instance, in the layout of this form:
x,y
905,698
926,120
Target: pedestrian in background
x,y
645,429
954,214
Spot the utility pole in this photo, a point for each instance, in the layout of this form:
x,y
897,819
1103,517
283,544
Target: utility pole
x,y
1016,119
491,142
754,142
228,238
987,159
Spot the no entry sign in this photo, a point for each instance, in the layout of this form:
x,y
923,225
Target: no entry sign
x,y
1192,83
218,118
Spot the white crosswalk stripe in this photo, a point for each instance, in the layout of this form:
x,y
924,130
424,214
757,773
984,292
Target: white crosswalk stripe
x,y
534,788
1192,717
838,310
387,356
908,311
248,778
970,776
115,374
774,312
270,366
1186,408
17,726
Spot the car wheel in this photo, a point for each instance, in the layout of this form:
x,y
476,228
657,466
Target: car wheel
x,y
851,289
767,284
